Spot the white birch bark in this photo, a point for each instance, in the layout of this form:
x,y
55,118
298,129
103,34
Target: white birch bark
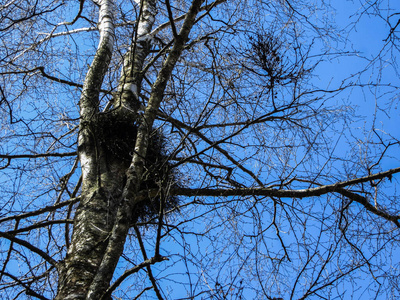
x,y
130,81
89,101
91,225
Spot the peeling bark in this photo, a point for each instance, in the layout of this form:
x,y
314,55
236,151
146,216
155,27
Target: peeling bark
x,y
94,216
131,76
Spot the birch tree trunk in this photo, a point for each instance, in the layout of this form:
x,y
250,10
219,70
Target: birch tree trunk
x,y
100,233
101,181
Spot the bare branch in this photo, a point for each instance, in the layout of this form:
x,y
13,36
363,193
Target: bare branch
x,y
40,211
29,246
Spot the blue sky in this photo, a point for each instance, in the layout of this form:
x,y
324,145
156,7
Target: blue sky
x,y
364,40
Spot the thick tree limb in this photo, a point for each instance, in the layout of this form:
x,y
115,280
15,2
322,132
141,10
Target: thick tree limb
x,y
280,193
339,187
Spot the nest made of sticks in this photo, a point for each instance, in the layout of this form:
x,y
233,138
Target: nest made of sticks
x,y
116,135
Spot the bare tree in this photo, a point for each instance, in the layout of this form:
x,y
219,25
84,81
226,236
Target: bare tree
x,y
197,150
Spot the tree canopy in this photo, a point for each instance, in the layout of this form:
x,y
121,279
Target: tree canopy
x,y
196,149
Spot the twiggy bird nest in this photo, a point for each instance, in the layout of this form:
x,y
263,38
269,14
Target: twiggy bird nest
x,y
116,135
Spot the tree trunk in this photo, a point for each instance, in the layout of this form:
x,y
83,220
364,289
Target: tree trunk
x,y
110,184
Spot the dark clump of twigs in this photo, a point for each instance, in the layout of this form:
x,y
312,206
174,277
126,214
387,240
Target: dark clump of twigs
x,y
279,62
117,137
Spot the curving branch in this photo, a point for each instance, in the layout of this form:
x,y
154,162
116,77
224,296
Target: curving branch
x,y
29,246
